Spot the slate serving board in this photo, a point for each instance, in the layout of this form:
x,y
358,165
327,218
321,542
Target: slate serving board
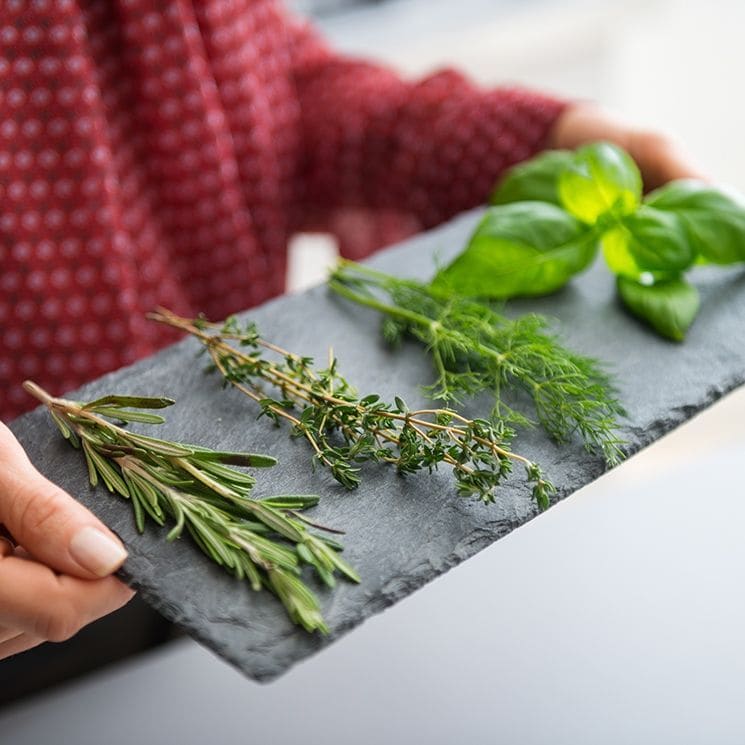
x,y
400,533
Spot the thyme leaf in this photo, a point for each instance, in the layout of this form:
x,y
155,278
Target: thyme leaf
x,y
346,431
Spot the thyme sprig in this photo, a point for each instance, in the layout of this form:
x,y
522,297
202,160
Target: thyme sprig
x,y
346,430
265,541
474,349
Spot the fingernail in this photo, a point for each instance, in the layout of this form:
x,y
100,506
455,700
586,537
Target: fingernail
x,y
96,551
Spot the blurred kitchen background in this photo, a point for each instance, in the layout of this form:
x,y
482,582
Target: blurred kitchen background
x,y
633,634
671,65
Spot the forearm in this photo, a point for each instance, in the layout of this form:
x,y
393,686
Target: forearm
x,y
430,148
659,157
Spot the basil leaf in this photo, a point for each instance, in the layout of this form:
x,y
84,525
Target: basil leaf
x,y
658,241
714,221
615,245
536,179
669,306
525,248
602,179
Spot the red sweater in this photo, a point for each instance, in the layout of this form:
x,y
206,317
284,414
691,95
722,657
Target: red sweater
x,y
163,151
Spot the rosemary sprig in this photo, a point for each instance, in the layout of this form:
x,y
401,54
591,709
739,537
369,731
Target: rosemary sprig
x,y
474,349
264,541
345,430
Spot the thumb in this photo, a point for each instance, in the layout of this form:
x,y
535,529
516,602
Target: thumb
x,y
48,522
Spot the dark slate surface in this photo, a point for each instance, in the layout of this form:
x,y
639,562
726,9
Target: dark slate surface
x,y
401,533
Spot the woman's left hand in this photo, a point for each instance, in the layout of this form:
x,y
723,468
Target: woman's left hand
x,y
660,159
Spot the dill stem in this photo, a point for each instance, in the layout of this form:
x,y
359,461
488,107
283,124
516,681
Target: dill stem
x,y
372,302
395,311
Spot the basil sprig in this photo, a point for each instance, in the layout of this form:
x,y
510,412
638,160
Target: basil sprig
x,y
552,213
525,248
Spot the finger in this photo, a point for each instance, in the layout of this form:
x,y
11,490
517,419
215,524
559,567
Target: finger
x,y
20,643
8,634
56,529
21,553
6,547
35,600
660,159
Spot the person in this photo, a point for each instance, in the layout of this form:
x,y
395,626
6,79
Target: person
x,y
162,152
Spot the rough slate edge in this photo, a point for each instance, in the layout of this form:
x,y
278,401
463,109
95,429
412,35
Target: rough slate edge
x,y
281,645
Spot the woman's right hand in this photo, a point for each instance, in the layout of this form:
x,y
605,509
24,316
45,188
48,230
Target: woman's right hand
x,y
56,573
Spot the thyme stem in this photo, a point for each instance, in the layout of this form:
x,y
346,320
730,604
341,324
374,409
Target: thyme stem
x,y
344,430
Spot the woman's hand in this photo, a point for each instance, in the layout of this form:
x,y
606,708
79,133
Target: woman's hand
x,y
55,573
659,158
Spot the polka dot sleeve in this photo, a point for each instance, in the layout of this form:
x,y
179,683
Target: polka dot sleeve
x,y
162,152
431,148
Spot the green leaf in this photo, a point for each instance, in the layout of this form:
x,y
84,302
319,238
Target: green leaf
x,y
669,306
276,520
292,501
601,180
139,514
162,447
346,569
223,472
92,473
128,415
526,248
177,529
61,424
615,245
304,553
657,241
536,179
254,460
113,481
713,220
138,402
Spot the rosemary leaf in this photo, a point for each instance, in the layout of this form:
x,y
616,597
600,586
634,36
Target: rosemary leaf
x,y
261,540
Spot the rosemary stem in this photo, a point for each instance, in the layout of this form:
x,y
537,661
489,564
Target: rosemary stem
x,y
267,541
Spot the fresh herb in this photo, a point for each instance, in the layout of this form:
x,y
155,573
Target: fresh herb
x,y
474,349
714,222
535,179
669,305
525,248
601,180
345,430
265,541
553,211
648,243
